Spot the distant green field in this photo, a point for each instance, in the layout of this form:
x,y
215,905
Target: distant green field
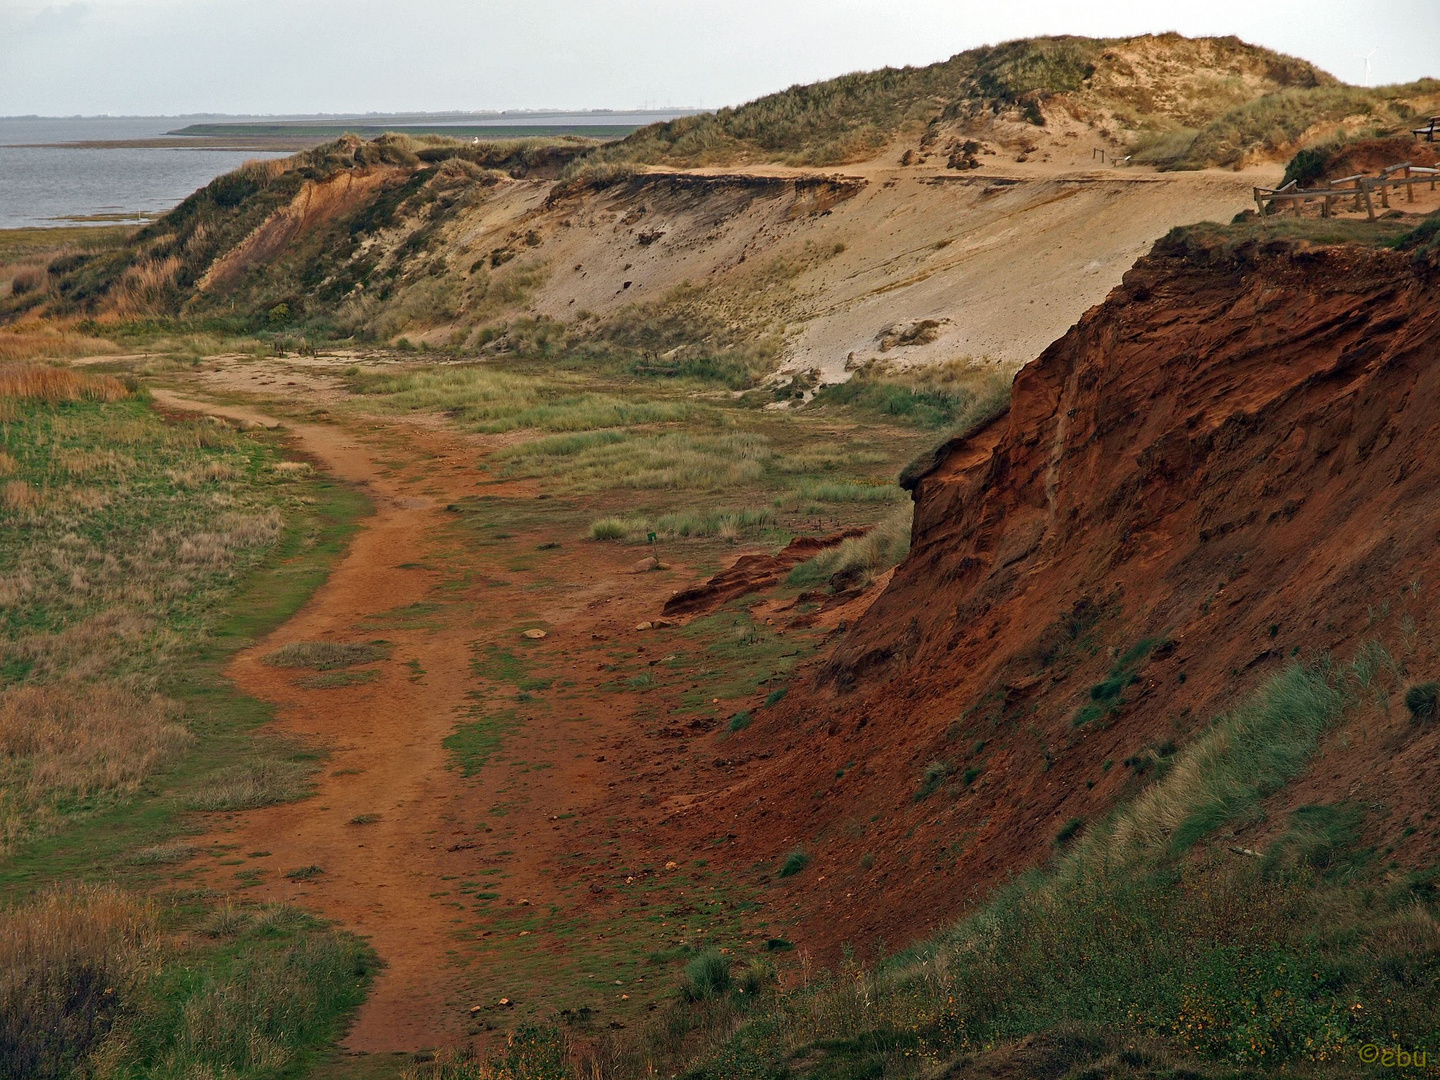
x,y
331,131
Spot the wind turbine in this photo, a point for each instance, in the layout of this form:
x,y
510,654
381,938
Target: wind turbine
x,y
1366,58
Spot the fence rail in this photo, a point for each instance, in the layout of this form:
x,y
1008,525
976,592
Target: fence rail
x,y
1360,188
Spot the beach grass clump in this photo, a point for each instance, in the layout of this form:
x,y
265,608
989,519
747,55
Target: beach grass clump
x,y
861,559
247,785
724,524
328,655
674,460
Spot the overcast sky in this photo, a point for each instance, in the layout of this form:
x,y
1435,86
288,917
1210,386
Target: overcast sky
x,y
274,56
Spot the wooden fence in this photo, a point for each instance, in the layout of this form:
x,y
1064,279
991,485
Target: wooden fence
x,y
1360,188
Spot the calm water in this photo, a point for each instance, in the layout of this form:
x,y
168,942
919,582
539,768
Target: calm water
x,y
53,185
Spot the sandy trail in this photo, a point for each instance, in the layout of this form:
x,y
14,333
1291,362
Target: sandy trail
x,y
391,878
385,742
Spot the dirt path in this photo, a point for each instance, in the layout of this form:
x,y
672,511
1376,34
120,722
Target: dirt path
x,y
393,825
385,744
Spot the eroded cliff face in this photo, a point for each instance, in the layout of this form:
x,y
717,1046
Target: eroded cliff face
x,y
1253,423
1231,462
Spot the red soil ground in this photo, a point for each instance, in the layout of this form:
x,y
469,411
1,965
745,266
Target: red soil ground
x,y
1230,460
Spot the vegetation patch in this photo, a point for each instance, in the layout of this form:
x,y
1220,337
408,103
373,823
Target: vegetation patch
x,y
859,560
794,862
328,655
676,460
250,784
948,394
473,744
94,982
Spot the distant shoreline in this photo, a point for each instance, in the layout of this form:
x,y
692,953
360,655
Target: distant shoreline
x,y
293,137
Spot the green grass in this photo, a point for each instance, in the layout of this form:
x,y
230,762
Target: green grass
x,y
335,680
684,525
473,744
1247,755
247,785
707,976
936,773
666,461
93,980
831,491
480,398
793,863
860,559
1272,123
945,395
204,517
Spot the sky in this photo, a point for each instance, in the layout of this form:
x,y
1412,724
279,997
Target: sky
x,y
169,57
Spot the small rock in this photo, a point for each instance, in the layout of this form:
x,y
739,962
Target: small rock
x,y
533,635
672,865
647,564
644,625
506,1002
476,1008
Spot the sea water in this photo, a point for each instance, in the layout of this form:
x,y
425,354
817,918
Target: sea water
x,y
59,184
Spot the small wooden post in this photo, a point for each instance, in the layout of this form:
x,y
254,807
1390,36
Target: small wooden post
x,y
1259,203
1409,188
1369,204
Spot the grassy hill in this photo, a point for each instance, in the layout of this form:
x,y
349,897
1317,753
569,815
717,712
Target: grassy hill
x,y
1141,84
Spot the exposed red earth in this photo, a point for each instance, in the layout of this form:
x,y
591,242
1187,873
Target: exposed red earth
x,y
1228,464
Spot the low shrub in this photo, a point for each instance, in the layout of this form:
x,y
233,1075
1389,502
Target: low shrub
x,y
1423,701
794,862
707,977
934,775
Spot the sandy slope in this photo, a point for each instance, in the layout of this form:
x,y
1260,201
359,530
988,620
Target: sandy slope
x,y
1004,257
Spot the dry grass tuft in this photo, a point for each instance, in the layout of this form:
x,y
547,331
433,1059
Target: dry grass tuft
x,y
72,965
262,782
21,497
327,655
859,561
19,345
39,382
72,742
163,854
